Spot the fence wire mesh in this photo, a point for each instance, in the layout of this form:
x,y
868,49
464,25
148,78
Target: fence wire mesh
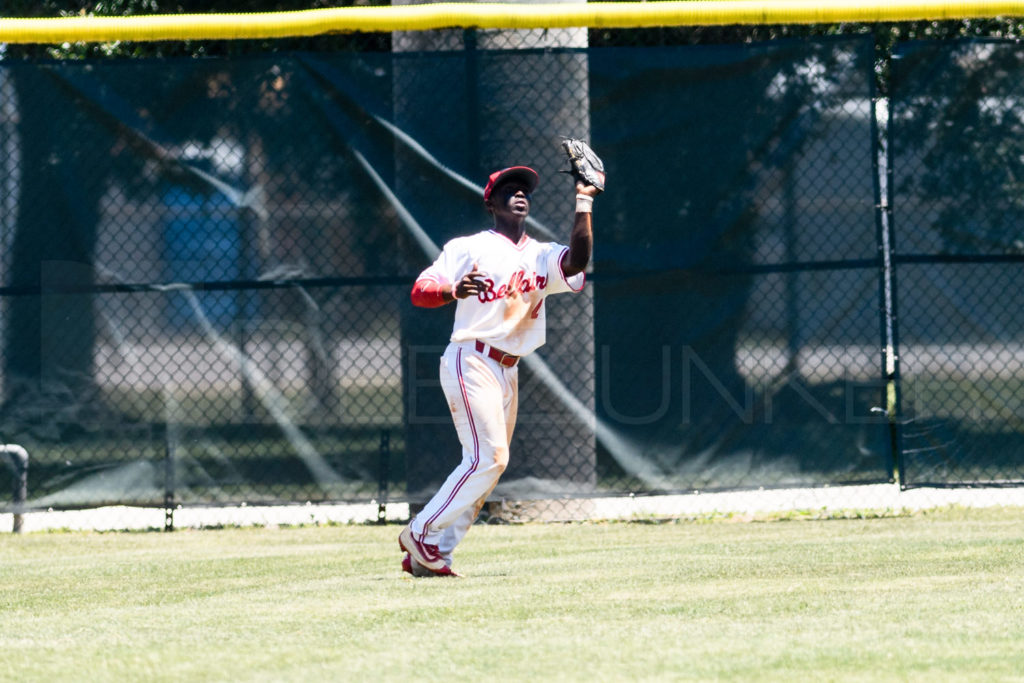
x,y
206,269
958,110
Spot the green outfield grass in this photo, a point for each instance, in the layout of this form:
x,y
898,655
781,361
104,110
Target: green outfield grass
x,y
926,597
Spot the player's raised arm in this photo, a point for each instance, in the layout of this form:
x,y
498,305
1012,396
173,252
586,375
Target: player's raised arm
x,y
587,170
581,240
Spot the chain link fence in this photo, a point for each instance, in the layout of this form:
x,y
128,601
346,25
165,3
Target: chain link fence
x,y
957,113
206,270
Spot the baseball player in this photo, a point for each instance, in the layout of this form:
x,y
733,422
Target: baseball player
x,y
499,278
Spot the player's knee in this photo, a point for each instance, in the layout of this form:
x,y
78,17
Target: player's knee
x,y
501,458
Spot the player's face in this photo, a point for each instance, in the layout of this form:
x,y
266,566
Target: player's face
x,y
511,197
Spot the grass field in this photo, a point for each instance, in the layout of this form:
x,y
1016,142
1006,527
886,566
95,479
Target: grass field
x,y
924,597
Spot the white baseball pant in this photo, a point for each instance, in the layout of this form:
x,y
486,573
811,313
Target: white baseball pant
x,y
483,397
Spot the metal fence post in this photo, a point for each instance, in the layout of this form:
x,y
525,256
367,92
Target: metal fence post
x,y
168,484
881,161
383,474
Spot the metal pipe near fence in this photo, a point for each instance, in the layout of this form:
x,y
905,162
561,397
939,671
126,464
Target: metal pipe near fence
x,y
19,459
383,476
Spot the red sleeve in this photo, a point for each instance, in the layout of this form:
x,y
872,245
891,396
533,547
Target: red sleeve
x,y
429,293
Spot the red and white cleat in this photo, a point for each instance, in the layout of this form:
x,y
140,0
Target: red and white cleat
x,y
411,566
424,553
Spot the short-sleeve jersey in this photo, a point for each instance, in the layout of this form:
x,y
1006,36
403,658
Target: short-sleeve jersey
x,y
510,315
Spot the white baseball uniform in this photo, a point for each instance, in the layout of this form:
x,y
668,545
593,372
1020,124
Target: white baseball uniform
x,y
479,368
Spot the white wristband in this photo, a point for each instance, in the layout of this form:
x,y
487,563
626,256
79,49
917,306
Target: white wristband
x,y
584,203
455,291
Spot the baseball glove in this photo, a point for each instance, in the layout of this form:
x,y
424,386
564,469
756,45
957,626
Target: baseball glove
x,y
585,166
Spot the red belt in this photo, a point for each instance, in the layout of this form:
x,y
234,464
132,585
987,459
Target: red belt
x,y
506,359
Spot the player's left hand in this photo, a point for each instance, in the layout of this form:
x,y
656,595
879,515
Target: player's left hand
x,y
470,284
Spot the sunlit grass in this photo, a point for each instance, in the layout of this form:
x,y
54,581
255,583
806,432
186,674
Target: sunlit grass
x,y
934,596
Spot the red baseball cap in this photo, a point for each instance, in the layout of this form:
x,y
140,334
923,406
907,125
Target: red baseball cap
x,y
524,174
